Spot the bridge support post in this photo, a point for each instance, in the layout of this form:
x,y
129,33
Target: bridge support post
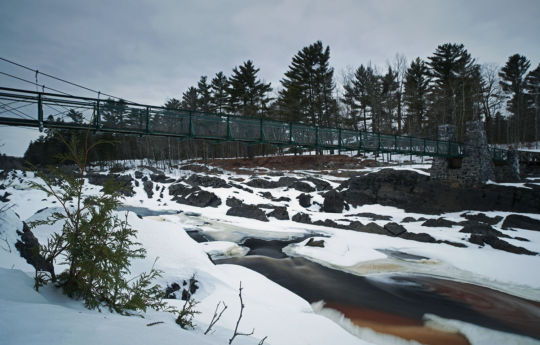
x,y
477,164
440,165
40,113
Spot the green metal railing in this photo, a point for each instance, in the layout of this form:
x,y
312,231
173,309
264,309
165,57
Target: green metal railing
x,y
82,113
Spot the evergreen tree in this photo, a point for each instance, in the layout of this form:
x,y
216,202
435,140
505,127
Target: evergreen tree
x,y
512,82
308,87
204,97
219,92
113,113
248,94
456,91
190,99
389,100
532,84
95,245
417,82
173,104
75,116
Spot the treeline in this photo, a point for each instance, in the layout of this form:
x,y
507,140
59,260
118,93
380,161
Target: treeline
x,y
413,99
404,98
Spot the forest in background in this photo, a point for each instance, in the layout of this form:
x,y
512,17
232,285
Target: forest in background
x,y
403,98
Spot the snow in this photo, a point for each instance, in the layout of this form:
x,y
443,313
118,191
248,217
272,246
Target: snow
x,y
477,335
49,317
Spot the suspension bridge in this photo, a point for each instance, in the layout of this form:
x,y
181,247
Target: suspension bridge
x,y
42,110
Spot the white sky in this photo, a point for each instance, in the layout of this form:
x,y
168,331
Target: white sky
x,y
148,51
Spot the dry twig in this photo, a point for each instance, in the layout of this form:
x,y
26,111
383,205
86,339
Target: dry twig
x,y
242,306
216,316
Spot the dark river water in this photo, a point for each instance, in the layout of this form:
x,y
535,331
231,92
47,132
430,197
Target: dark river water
x,y
407,296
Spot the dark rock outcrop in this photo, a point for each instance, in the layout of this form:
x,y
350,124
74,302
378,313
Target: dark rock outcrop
x,y
420,237
439,223
279,212
261,183
248,211
185,291
319,184
315,243
408,220
301,218
481,229
201,198
123,182
286,181
330,223
304,200
373,216
418,193
395,229
28,247
302,187
148,188
161,178
333,202
482,218
207,181
521,222
371,228
497,243
193,196
233,202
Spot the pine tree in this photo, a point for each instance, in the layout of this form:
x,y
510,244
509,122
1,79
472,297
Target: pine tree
x,y
113,113
456,89
248,94
389,99
204,97
532,85
95,244
219,92
308,87
173,104
190,99
512,82
417,82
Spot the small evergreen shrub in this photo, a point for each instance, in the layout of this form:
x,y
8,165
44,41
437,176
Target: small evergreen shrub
x,y
95,244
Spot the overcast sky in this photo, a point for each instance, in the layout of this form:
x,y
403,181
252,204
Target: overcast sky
x,y
148,51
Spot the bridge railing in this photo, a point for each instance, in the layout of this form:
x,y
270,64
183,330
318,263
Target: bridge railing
x,y
17,107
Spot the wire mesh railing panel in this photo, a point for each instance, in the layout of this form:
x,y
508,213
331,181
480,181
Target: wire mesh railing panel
x,y
14,108
431,147
304,135
388,142
417,146
173,122
350,139
403,144
276,132
71,113
208,126
245,129
370,141
329,137
49,110
116,115
442,148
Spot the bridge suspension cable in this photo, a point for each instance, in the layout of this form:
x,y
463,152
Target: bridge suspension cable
x,y
58,79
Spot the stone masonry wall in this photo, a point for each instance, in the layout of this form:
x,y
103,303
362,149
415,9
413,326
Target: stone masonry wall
x,y
439,167
477,163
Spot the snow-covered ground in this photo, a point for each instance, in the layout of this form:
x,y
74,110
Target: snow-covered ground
x,y
47,317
